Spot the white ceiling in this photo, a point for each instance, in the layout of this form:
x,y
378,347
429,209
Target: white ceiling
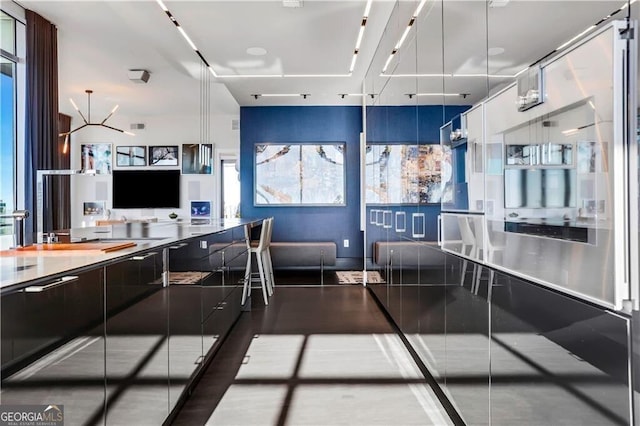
x,y
454,36
100,40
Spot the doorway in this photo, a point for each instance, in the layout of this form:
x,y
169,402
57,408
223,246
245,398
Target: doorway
x,y
230,188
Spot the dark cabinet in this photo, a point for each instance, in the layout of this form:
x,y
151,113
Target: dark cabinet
x,y
121,343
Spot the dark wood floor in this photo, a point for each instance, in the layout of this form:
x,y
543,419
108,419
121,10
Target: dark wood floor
x,y
296,310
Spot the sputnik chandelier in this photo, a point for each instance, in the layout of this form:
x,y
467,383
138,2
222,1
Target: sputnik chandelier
x,y
87,121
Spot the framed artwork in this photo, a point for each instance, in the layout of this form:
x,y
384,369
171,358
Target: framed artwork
x,y
405,173
555,154
96,156
163,155
299,174
372,216
200,209
93,208
521,155
417,225
401,221
197,159
386,219
131,156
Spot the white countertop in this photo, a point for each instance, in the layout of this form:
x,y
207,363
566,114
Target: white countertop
x,y
29,266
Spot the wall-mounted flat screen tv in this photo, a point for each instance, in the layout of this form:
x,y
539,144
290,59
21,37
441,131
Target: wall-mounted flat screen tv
x,y
146,189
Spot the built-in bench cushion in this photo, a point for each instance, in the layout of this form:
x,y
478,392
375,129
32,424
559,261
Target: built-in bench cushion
x,y
288,254
401,254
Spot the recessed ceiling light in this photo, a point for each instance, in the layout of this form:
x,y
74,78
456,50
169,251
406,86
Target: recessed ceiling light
x,y
256,51
494,51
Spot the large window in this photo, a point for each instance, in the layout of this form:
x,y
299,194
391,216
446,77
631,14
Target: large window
x,y
11,86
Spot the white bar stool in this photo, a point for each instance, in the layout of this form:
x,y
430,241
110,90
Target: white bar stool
x,y
468,241
258,249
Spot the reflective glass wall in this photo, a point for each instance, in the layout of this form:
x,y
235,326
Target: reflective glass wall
x,y
516,303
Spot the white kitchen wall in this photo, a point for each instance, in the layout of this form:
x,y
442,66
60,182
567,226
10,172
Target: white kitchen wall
x,y
159,130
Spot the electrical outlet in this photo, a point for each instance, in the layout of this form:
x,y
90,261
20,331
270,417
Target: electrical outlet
x,y
345,243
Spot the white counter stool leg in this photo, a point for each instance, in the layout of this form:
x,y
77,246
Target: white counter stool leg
x,y
271,283
246,288
257,249
468,240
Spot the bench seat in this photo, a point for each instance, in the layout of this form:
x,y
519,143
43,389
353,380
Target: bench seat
x,y
399,254
295,254
284,254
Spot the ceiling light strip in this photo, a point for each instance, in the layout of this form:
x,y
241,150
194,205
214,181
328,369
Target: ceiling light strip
x,y
282,95
404,34
438,94
565,44
398,45
251,76
317,75
282,75
386,64
202,58
360,34
520,72
589,29
185,36
448,75
562,46
363,24
624,6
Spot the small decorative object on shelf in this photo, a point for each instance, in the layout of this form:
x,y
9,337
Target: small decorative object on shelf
x,y
173,216
456,135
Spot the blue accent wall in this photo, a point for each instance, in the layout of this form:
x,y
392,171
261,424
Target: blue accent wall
x,y
306,124
334,124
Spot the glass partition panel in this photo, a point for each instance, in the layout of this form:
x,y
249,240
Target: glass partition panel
x,y
464,86
387,140
634,12
551,198
554,216
532,166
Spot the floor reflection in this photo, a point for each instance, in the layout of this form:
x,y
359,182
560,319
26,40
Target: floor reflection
x,y
530,356
329,379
